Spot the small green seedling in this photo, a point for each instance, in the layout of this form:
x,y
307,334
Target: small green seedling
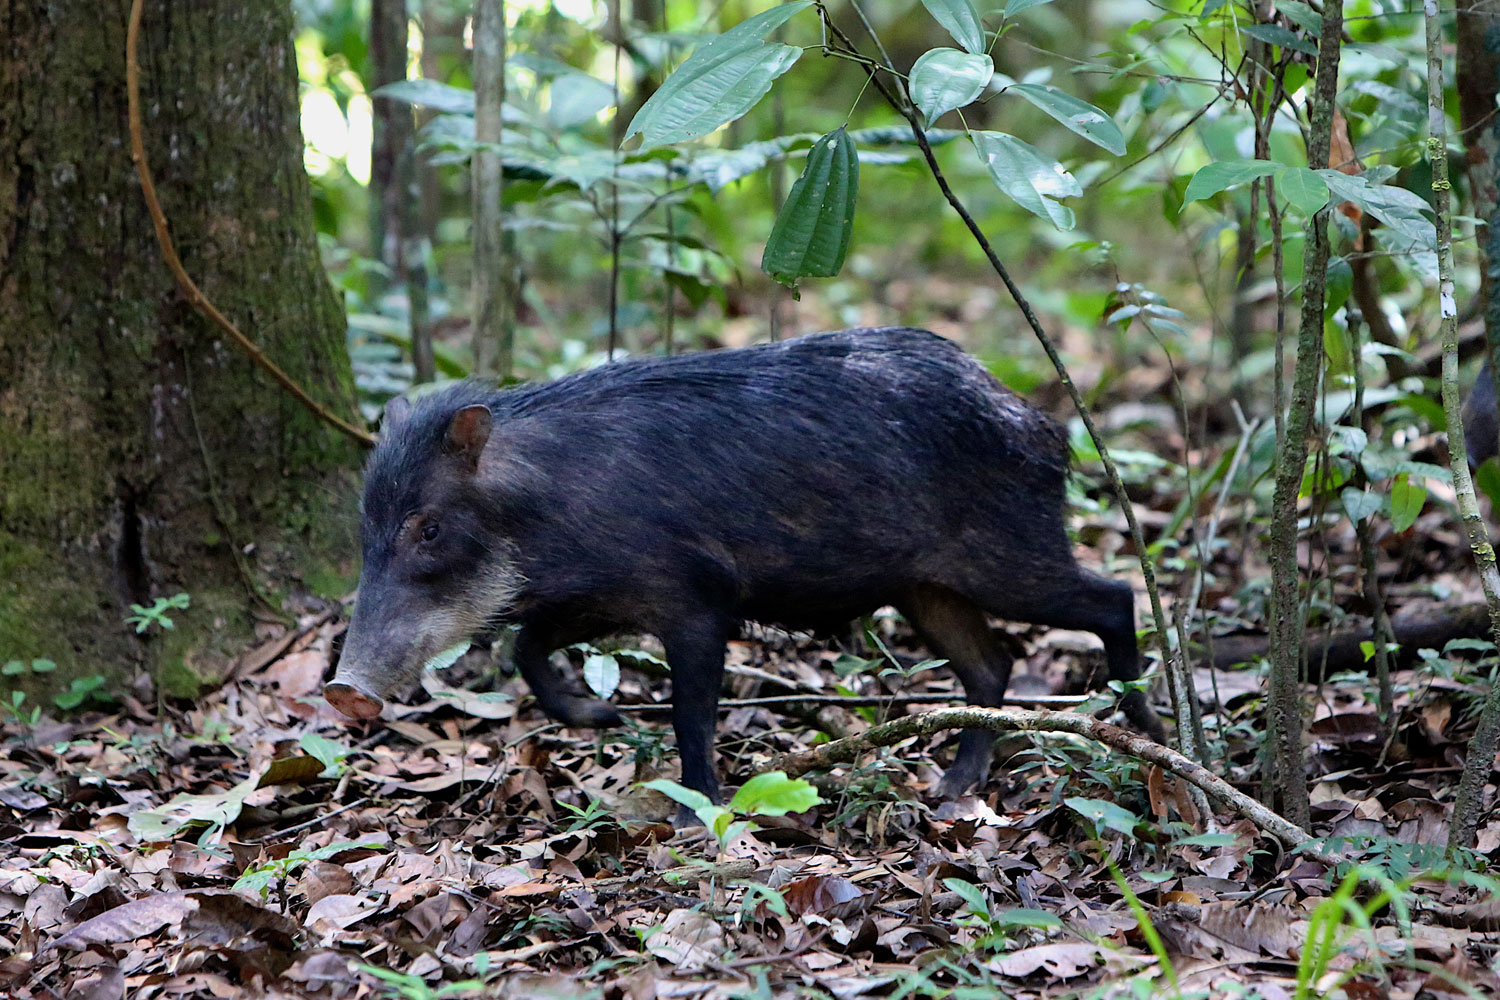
x,y
259,877
143,618
769,794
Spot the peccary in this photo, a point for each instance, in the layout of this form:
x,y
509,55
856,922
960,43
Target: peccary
x,y
800,483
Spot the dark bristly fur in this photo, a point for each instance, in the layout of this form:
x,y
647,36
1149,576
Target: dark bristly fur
x,y
802,483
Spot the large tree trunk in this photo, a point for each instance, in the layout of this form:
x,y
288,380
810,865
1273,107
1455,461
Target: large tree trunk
x,y
140,454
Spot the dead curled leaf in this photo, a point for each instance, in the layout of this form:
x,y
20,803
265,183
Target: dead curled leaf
x,y
1065,960
213,917
825,895
688,939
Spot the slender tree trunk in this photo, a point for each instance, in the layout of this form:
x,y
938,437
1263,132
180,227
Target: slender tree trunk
x,y
493,328
391,134
395,222
1289,783
1469,805
141,455
1478,87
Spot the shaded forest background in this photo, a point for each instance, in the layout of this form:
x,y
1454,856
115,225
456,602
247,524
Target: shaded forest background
x,y
1228,223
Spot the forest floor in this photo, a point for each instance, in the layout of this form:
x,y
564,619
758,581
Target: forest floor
x,y
256,844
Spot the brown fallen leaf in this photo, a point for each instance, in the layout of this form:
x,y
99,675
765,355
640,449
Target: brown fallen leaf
x,y
135,919
1065,960
688,939
825,895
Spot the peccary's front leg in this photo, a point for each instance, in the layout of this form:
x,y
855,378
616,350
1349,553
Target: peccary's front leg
x,y
695,652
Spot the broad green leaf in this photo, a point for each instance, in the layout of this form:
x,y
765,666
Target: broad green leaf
x,y
215,810
774,794
1080,116
945,79
1302,16
1397,207
447,657
601,672
680,794
1303,188
1015,7
330,753
1033,180
1359,504
1407,498
1216,177
973,895
577,98
1104,814
1487,479
812,230
961,20
43,666
1021,917
1275,34
725,77
430,94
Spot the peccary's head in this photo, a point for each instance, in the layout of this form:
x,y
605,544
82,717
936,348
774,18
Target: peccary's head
x,y
437,565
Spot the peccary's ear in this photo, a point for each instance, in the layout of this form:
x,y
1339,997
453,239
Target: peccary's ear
x,y
396,412
468,433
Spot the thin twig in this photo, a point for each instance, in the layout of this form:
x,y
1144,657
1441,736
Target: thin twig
x,y
185,282
861,701
1014,720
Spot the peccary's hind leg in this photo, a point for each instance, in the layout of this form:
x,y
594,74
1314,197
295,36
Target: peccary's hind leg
x,y
559,697
1094,604
956,629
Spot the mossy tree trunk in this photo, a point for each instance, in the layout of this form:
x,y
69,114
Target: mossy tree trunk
x,y
140,454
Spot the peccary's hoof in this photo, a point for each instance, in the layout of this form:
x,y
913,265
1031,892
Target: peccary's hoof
x,y
351,701
587,713
957,780
1138,711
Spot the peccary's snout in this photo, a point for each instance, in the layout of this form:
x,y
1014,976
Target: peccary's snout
x,y
345,694
383,650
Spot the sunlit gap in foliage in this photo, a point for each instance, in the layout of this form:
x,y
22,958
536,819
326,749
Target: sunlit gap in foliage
x,y
333,137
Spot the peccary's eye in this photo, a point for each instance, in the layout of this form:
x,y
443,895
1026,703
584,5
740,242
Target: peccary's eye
x,y
429,531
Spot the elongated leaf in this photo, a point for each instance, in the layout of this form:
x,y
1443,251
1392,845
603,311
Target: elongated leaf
x,y
1397,207
961,20
811,235
1080,116
1275,34
1303,188
1015,7
1033,180
724,78
1216,177
1407,497
944,79
601,672
430,94
1105,815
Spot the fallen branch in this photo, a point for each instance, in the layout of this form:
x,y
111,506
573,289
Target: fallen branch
x,y
1017,720
1425,627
